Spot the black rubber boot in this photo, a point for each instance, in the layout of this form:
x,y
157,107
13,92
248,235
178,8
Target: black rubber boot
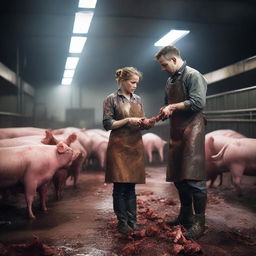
x,y
119,204
185,217
198,228
132,213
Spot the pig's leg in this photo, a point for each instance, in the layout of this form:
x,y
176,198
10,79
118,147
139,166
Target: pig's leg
x,y
221,179
149,153
213,178
30,191
59,180
102,160
161,153
79,166
61,188
237,170
43,189
98,157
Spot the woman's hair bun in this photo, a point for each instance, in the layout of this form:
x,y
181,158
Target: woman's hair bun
x,y
118,73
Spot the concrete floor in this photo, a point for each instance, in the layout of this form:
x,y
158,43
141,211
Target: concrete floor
x,y
82,222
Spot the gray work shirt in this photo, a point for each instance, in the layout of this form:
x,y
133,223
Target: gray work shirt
x,y
195,87
110,106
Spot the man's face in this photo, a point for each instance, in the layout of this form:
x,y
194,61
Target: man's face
x,y
168,65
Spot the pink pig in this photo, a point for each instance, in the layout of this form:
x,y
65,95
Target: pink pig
x,y
153,142
61,176
239,157
7,133
73,171
33,167
214,141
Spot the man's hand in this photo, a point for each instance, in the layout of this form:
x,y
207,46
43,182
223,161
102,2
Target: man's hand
x,y
165,112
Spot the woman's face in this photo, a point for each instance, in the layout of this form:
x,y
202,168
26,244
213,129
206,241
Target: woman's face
x,y
129,86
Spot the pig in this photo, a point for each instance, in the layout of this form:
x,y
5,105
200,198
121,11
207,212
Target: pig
x,y
214,141
239,157
73,171
92,140
101,152
153,142
101,132
21,141
98,147
69,139
61,176
7,133
32,166
226,132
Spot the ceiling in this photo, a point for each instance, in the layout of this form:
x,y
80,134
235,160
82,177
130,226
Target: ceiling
x,y
122,33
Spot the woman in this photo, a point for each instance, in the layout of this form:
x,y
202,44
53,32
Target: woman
x,y
123,112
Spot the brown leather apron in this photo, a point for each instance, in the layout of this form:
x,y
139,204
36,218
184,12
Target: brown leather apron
x,y
187,133
125,152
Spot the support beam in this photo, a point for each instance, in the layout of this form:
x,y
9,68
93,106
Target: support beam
x,y
231,70
11,77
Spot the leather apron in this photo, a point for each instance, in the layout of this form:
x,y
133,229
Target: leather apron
x,y
187,134
125,152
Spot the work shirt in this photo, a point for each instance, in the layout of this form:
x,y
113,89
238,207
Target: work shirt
x,y
110,106
195,87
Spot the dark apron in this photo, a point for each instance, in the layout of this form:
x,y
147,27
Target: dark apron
x,y
187,134
125,152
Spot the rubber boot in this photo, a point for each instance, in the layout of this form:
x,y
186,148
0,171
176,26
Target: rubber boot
x,y
119,205
185,217
198,228
132,213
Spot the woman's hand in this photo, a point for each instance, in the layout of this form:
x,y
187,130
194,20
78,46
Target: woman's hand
x,y
147,123
134,121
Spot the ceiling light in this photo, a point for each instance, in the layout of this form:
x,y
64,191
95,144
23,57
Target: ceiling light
x,y
171,37
87,3
82,22
77,44
69,73
71,62
66,81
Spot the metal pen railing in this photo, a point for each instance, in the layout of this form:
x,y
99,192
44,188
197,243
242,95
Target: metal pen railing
x,y
234,115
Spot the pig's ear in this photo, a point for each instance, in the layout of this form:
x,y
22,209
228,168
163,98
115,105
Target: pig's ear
x,y
61,147
49,138
71,138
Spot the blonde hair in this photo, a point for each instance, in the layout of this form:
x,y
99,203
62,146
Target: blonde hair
x,y
126,73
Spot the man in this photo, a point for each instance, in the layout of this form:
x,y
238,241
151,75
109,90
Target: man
x,y
185,97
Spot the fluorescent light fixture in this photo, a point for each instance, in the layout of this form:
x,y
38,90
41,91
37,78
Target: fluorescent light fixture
x,y
66,81
82,22
77,44
69,73
171,37
87,3
71,62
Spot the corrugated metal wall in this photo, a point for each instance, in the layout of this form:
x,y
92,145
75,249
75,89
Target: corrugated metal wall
x,y
234,110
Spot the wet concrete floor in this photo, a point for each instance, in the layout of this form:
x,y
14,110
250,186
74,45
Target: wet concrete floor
x,y
79,223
